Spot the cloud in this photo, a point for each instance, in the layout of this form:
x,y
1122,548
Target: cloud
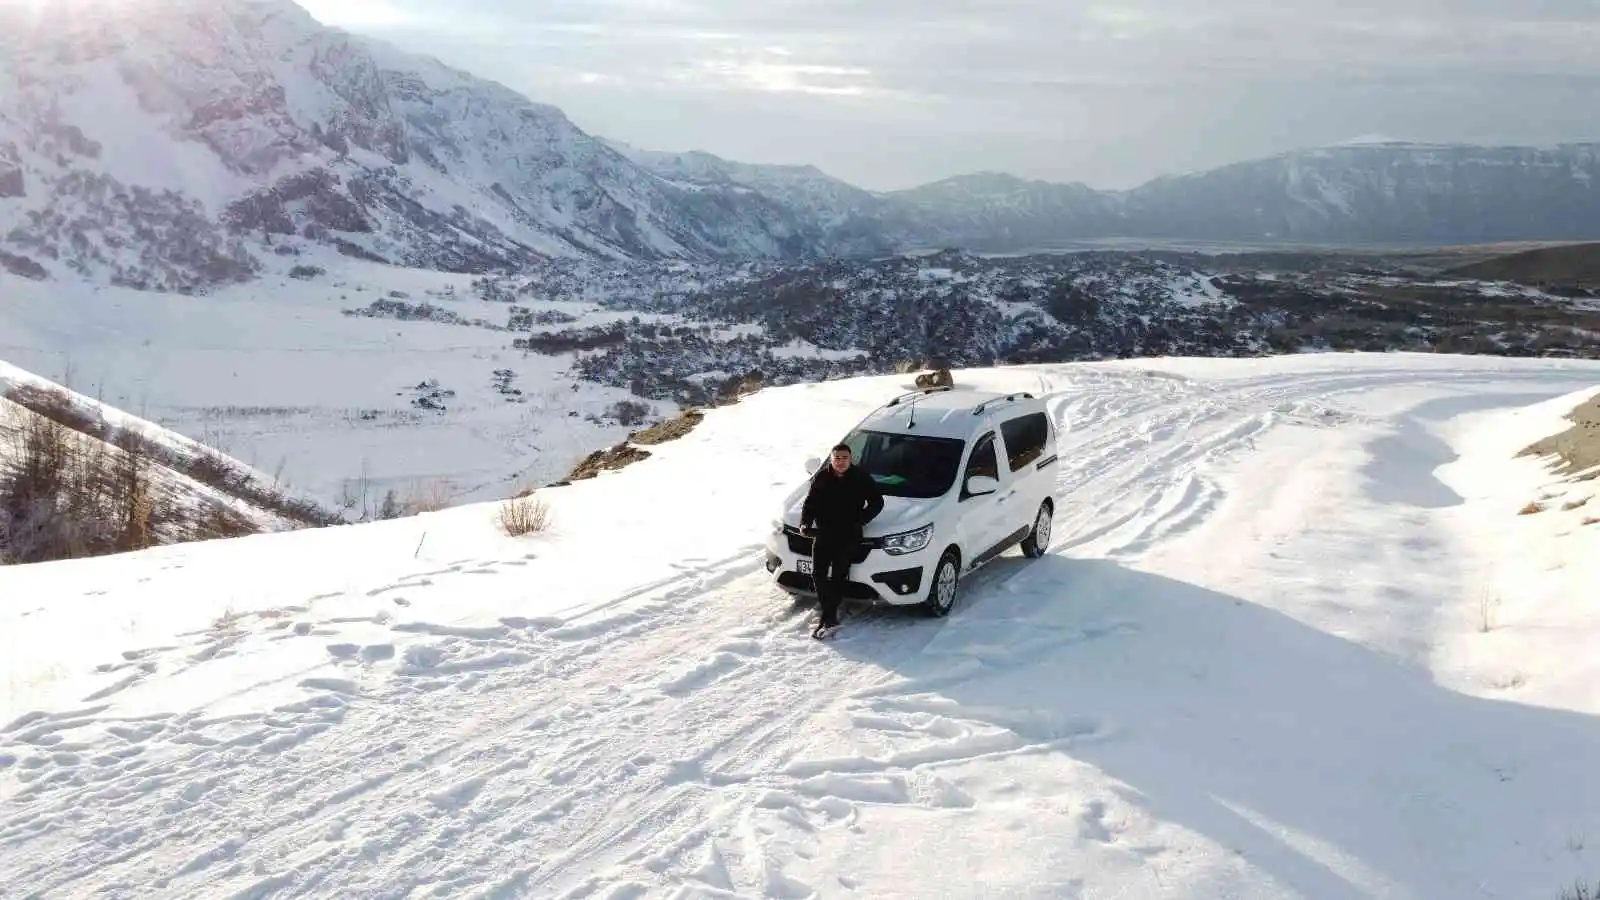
x,y
890,92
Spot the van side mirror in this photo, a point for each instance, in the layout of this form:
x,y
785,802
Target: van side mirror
x,y
813,463
978,485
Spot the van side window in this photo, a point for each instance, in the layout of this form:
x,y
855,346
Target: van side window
x,y
983,462
1025,439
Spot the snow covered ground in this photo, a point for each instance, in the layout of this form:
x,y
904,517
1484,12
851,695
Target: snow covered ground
x,y
1251,666
275,375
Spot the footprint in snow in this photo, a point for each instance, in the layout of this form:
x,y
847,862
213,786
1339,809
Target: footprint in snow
x,y
1092,823
376,652
708,671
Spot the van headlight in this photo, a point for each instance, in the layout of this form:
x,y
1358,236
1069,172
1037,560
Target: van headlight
x,y
906,541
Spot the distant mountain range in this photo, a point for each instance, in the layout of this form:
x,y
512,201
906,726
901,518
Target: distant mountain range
x,y
180,144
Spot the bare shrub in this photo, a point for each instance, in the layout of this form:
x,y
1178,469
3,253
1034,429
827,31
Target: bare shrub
x,y
524,514
629,413
1533,507
1581,891
1575,504
390,508
428,496
217,522
1488,606
132,495
67,495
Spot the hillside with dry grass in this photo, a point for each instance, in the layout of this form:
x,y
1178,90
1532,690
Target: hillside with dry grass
x,y
80,479
1563,268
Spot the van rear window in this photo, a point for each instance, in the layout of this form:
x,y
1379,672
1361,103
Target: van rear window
x,y
1025,437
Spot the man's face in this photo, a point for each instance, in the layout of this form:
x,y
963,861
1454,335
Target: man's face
x,y
841,460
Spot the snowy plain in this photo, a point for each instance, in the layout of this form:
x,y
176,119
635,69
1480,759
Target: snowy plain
x,y
274,374
1253,664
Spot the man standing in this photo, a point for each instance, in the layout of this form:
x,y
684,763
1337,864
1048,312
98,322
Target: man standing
x,y
842,500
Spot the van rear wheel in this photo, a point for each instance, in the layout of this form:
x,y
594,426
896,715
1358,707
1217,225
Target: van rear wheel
x,y
1038,540
942,592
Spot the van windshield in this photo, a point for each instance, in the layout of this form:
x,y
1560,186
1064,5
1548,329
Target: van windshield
x,y
907,465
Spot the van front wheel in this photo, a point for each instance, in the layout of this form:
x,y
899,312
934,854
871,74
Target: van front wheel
x,y
942,592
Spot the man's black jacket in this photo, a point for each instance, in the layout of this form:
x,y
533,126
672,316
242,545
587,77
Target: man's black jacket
x,y
839,506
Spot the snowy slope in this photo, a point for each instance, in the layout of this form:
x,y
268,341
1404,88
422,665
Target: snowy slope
x,y
1242,671
171,459
1528,633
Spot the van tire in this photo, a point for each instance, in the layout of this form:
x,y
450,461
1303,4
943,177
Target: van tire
x,y
1038,540
945,585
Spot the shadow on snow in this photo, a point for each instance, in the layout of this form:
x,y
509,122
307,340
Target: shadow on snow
x,y
1218,707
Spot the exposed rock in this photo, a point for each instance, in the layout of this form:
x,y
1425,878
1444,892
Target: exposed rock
x,y
1578,448
609,460
670,430
22,266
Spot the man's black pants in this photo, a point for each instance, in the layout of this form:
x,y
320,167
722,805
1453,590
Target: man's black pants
x,y
831,558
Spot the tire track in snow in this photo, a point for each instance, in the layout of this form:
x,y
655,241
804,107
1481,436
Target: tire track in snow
x,y
535,758
309,799
1137,477
593,803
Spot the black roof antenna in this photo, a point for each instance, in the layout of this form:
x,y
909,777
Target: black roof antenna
x,y
913,421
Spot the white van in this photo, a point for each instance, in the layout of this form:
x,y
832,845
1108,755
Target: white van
x,y
966,475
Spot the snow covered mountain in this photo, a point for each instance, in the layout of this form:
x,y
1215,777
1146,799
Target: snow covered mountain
x,y
1370,193
1292,639
1373,192
1382,193
806,189
144,141
184,144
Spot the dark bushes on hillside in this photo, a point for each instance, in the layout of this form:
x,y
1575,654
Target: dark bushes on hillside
x,y
67,495
204,466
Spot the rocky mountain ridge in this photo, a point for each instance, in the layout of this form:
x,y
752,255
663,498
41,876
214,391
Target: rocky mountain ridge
x,y
166,143
183,144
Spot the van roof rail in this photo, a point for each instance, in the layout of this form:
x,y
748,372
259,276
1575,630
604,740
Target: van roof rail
x,y
1009,398
921,392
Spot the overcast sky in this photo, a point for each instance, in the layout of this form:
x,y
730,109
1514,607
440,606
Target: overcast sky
x,y
893,93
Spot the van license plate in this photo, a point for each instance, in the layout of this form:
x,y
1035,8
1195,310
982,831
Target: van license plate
x,y
803,567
